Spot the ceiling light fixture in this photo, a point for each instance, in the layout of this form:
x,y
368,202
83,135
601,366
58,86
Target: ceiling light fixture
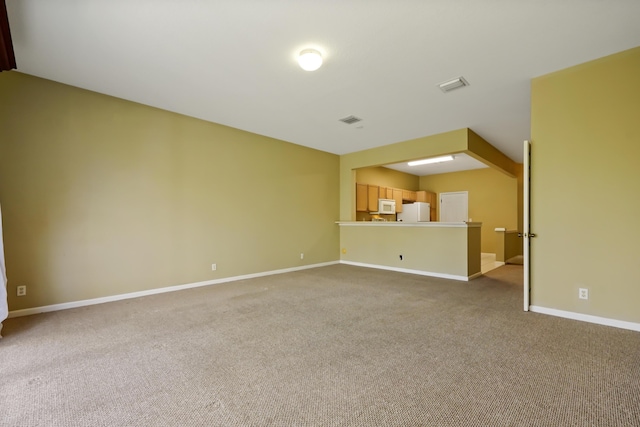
x,y
310,59
431,160
453,84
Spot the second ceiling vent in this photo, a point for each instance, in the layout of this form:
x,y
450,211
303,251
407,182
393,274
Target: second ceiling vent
x,y
350,120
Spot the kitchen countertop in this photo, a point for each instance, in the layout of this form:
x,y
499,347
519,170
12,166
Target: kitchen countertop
x,y
408,224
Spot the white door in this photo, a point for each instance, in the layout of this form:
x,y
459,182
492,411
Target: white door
x,y
526,221
454,206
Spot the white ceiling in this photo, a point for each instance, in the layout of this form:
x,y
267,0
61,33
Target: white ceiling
x,y
233,61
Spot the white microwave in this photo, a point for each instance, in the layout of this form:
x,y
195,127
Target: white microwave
x,y
386,207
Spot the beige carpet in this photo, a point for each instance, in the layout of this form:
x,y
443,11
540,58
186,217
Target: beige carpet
x,y
333,346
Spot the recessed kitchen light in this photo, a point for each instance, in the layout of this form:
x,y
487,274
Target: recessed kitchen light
x,y
431,160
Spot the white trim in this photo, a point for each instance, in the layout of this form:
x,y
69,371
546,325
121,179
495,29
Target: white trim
x,y
93,301
407,270
526,225
586,318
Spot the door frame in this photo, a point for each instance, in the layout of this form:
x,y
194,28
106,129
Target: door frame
x,y
526,224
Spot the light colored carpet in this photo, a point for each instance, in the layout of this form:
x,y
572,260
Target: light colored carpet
x,y
332,346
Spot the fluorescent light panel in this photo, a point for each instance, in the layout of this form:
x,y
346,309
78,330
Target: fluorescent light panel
x,y
431,160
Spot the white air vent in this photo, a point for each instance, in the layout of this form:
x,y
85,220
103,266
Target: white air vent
x,y
453,84
351,120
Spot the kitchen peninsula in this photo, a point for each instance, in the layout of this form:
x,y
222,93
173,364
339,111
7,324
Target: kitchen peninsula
x,y
440,249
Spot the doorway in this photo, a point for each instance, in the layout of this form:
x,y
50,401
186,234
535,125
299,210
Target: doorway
x,y
454,206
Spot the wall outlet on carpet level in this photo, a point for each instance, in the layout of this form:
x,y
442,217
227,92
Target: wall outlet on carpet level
x,y
214,267
301,255
583,293
21,291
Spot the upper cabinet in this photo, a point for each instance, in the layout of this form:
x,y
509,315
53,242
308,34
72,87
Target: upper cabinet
x,y
373,195
384,193
367,198
431,198
424,196
397,196
409,196
362,197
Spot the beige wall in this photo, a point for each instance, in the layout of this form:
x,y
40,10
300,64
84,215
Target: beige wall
x,y
493,199
101,196
585,182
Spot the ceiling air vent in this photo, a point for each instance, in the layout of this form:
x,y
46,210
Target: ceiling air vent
x,y
351,120
453,84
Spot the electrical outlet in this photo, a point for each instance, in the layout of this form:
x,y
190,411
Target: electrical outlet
x,y
301,255
21,291
583,293
214,267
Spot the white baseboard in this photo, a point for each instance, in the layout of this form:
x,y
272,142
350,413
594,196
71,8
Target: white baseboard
x,y
102,300
407,270
586,318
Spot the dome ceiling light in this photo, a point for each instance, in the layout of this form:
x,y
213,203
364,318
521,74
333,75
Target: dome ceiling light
x,y
310,59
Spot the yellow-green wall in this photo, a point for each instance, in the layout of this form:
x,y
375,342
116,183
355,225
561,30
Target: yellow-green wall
x,y
585,177
493,199
101,196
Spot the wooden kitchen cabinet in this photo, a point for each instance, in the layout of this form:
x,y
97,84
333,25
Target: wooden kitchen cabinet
x,y
385,194
372,196
362,197
397,196
367,197
426,196
409,196
431,198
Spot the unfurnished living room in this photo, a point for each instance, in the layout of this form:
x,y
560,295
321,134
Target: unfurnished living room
x,y
305,213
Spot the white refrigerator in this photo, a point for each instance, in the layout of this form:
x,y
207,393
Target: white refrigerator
x,y
415,212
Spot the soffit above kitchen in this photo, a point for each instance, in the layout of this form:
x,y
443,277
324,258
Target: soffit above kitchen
x,y
234,62
460,162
